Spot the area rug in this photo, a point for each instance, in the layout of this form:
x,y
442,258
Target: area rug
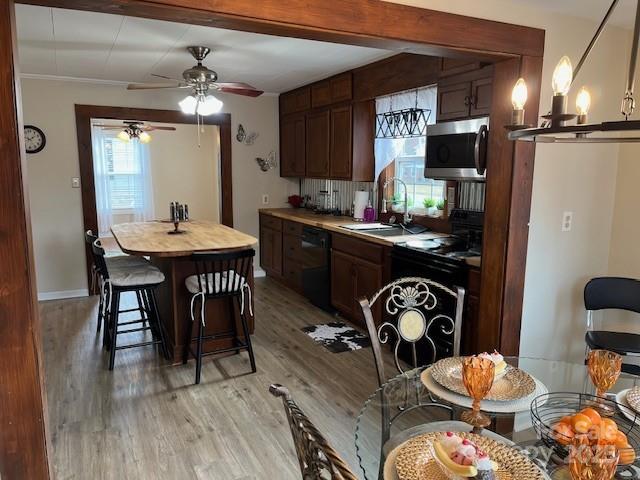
x,y
337,337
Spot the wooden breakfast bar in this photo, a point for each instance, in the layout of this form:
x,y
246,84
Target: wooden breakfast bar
x,y
170,253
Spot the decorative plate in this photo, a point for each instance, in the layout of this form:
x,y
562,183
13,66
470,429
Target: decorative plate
x,y
633,398
513,385
415,460
624,407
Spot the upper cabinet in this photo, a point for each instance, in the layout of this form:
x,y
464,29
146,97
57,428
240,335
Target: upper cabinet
x,y
293,145
318,147
295,101
465,95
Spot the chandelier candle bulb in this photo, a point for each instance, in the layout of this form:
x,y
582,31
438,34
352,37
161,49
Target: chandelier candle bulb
x,y
518,100
144,137
583,103
124,136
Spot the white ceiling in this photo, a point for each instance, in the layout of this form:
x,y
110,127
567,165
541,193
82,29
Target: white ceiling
x,y
595,10
70,43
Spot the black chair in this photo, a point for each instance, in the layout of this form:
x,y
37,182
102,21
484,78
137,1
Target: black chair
x,y
113,262
220,275
613,293
142,279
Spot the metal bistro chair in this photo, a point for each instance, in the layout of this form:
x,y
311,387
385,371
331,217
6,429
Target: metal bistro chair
x,y
220,275
317,458
613,293
113,261
413,313
141,279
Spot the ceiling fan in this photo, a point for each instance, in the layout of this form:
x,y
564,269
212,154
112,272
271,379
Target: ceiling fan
x,y
133,129
201,80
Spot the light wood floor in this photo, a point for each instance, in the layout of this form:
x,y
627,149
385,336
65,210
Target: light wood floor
x,y
146,419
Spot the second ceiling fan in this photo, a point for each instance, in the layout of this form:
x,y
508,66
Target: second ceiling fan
x,y
201,80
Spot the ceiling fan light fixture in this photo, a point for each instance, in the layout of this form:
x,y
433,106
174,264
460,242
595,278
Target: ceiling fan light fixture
x,y
144,137
124,136
209,105
188,105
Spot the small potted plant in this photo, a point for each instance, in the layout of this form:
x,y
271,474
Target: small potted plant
x,y
440,207
430,205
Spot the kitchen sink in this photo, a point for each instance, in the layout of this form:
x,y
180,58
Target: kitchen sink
x,y
386,232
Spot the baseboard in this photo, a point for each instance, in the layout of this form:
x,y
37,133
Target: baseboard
x,y
258,272
83,292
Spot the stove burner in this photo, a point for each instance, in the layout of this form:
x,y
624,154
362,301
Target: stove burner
x,y
452,247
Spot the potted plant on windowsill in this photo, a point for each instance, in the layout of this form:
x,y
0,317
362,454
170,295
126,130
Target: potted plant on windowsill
x,y
440,208
430,205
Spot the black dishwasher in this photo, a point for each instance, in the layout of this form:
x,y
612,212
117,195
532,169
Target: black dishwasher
x,y
316,273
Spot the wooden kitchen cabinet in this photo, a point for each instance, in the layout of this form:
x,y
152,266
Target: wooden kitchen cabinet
x,y
318,145
467,95
298,100
271,245
470,339
342,283
293,146
340,159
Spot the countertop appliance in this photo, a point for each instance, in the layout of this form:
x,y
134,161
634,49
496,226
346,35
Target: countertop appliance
x,y
441,260
457,150
316,261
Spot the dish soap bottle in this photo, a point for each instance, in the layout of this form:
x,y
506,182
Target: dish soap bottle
x,y
369,212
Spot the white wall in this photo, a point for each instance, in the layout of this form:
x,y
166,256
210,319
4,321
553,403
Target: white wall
x,y
577,178
56,208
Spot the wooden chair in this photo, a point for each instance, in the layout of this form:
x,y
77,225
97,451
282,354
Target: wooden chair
x,y
220,275
416,307
613,293
317,458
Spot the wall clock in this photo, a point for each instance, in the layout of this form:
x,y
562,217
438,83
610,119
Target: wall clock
x,y
34,139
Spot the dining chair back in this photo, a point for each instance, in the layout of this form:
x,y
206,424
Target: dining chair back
x,y
415,310
218,275
613,293
316,456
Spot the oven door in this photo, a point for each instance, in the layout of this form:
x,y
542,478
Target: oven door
x,y
457,150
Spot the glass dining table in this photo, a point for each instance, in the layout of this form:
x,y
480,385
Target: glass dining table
x,y
424,408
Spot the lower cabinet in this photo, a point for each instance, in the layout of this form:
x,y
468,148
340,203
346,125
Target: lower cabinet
x,y
470,339
271,245
353,278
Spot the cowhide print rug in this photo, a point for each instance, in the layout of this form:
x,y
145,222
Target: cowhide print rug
x,y
337,337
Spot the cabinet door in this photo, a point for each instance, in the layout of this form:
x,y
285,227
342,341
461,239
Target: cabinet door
x,y
341,148
469,344
292,146
271,250
481,93
341,88
321,94
453,101
317,144
343,283
368,282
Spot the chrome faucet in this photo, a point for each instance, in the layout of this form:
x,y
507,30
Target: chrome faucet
x,y
406,218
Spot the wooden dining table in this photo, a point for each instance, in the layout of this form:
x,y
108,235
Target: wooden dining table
x,y
171,254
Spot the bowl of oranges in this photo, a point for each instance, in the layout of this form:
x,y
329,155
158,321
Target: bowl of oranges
x,y
560,417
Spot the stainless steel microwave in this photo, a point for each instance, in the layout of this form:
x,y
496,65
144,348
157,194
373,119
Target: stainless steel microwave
x,y
457,150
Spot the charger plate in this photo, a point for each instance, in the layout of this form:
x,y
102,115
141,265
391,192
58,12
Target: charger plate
x,y
513,385
624,407
633,398
489,406
415,459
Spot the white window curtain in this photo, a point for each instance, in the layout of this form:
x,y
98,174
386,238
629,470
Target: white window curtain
x,y
122,177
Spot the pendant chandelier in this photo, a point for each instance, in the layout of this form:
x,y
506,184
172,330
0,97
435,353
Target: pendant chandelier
x,y
403,123
554,128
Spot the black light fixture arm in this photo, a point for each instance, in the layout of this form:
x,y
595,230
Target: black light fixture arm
x,y
595,38
628,102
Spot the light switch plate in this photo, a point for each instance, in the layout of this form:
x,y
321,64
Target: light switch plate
x,y
567,220
75,182
265,199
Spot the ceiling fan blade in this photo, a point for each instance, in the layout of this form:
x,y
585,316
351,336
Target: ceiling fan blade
x,y
239,88
179,80
150,128
151,86
111,127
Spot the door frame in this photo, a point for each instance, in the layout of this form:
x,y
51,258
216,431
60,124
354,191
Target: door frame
x,y
84,114
517,51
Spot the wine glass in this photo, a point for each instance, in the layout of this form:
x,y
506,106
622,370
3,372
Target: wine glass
x,y
477,376
589,461
604,369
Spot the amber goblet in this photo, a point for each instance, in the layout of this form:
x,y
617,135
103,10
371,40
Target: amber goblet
x,y
477,376
604,369
589,461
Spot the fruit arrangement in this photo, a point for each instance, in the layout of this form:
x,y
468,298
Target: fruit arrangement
x,y
598,430
461,458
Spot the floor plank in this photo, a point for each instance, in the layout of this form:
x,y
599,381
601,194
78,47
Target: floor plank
x,y
146,419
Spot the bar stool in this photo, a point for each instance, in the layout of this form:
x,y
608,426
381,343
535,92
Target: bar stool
x,y
220,275
113,261
141,279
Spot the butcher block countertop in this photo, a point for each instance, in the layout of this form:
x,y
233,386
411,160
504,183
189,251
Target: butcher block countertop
x,y
335,224
153,239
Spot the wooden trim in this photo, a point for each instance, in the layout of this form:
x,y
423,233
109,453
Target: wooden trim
x,y
84,114
23,406
369,23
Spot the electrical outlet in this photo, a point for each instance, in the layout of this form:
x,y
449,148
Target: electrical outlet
x,y
567,220
75,182
265,199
